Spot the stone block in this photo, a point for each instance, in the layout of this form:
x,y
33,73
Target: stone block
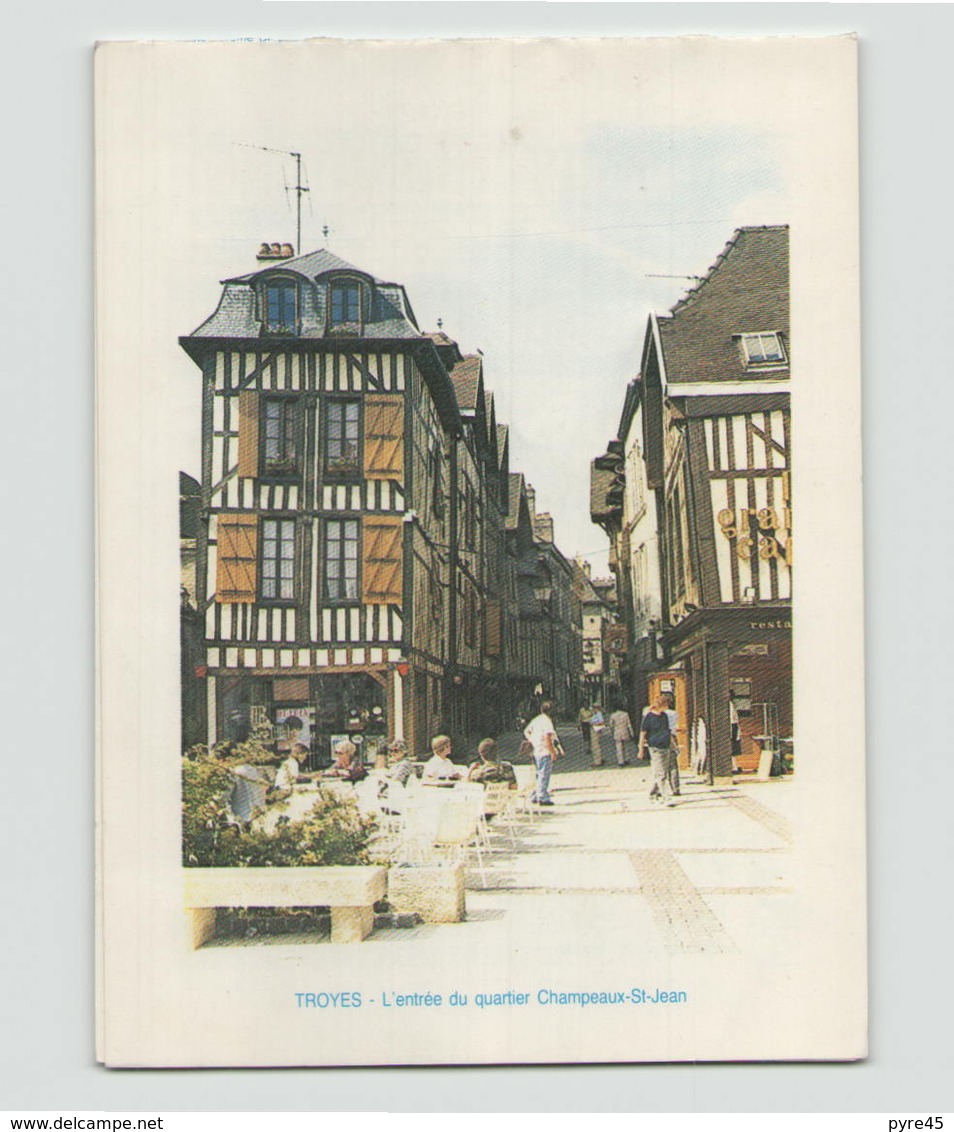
x,y
435,893
351,925
200,926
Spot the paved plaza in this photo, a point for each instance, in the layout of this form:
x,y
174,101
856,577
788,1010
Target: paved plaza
x,y
707,876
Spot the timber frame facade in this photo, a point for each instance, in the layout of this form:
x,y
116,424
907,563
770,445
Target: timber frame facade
x,y
353,574
698,482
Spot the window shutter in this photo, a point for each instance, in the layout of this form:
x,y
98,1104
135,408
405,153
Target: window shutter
x,y
236,559
383,561
383,437
248,433
493,628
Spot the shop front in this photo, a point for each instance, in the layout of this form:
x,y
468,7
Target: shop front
x,y
316,710
733,671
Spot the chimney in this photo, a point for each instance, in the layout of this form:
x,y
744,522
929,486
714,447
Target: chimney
x,y
532,501
543,527
269,252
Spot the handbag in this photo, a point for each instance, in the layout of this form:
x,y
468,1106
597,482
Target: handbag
x,y
525,749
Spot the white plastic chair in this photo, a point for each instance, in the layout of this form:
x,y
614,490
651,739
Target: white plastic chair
x,y
476,795
526,784
457,831
499,801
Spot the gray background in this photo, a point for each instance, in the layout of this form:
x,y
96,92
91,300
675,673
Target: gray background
x,y
47,992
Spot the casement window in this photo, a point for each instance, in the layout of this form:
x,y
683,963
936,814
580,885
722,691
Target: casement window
x,y
280,436
342,537
278,560
281,307
345,302
342,437
382,564
236,558
762,349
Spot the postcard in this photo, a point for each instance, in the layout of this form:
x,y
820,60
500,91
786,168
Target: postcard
x,y
465,696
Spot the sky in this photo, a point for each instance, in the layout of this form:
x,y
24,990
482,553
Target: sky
x,y
539,198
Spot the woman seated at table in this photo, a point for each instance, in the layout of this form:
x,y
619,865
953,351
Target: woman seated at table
x,y
345,765
400,768
439,770
488,768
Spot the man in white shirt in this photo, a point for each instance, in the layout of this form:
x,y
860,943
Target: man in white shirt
x,y
542,736
439,769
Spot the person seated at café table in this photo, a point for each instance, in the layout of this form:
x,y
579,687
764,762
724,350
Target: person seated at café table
x,y
439,770
488,768
400,767
345,766
290,768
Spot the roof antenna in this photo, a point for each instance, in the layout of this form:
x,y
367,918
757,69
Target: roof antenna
x,y
298,187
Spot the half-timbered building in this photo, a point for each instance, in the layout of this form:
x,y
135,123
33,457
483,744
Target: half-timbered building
x,y
714,397
323,573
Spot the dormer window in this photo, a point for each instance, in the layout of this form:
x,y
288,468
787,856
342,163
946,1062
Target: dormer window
x,y
762,349
281,307
344,306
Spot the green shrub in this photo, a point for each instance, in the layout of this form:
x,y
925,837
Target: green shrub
x,y
335,834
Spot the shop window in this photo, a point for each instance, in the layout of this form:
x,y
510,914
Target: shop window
x,y
280,437
740,693
341,560
278,560
342,437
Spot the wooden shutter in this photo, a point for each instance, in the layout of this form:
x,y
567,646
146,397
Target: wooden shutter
x,y
248,433
493,628
383,437
382,567
236,558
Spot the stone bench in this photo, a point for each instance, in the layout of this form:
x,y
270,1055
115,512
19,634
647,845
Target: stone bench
x,y
350,891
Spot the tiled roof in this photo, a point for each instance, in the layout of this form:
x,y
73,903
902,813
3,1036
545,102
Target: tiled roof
x,y
746,291
466,378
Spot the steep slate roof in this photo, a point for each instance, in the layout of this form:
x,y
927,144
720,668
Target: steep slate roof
x,y
390,314
503,436
515,489
746,291
466,380
310,265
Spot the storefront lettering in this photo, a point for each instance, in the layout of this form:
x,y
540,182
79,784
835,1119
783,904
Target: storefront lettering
x,y
765,525
781,623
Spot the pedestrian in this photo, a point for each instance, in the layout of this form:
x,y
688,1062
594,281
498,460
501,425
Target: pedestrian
x,y
597,727
654,734
541,735
622,728
586,715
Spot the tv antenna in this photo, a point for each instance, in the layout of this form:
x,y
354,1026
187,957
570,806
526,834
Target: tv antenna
x,y
298,188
